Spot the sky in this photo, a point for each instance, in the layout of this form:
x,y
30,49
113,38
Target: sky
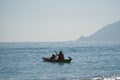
x,y
54,20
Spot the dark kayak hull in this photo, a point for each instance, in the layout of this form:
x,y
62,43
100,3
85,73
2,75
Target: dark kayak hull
x,y
63,61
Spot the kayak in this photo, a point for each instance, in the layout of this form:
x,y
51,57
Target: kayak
x,y
63,61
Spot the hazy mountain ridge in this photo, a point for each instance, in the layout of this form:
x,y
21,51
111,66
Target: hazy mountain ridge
x,y
110,32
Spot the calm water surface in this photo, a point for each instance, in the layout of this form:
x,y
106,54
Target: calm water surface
x,y
91,61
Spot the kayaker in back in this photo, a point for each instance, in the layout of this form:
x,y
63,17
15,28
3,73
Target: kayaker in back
x,y
53,57
60,56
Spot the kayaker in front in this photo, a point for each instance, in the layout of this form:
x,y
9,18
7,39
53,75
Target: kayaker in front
x,y
60,56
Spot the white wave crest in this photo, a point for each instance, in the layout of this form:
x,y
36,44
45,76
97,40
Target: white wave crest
x,y
107,78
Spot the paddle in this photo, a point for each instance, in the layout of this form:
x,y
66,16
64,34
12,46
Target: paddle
x,y
56,52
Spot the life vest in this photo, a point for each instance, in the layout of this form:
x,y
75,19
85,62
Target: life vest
x,y
61,57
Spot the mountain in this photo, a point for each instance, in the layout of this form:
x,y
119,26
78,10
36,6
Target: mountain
x,y
110,32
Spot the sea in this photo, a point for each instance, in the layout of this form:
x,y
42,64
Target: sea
x,y
90,61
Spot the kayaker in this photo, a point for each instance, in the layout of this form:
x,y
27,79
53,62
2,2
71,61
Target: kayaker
x,y
60,56
53,57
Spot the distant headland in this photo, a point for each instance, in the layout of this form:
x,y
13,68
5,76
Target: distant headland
x,y
110,32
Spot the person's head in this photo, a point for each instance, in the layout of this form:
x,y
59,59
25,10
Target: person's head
x,y
60,52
